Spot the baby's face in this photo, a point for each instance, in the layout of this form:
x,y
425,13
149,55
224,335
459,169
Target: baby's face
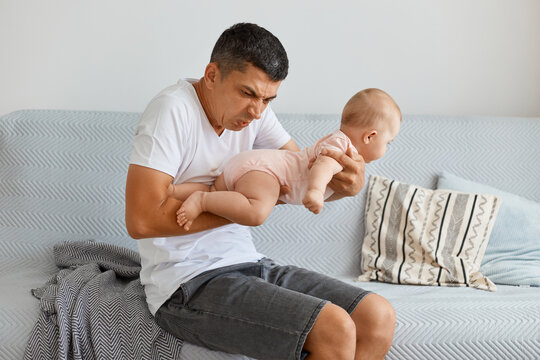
x,y
372,146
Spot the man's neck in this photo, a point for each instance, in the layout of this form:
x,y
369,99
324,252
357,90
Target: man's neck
x,y
202,94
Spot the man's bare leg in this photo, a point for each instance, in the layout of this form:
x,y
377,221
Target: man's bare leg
x,y
333,335
375,321
365,334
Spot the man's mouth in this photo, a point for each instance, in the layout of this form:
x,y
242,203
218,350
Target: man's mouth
x,y
244,123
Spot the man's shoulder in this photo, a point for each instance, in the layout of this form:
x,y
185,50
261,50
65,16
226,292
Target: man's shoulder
x,y
178,102
181,94
169,114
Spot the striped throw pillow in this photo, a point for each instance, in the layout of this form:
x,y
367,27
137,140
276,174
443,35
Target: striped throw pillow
x,y
420,236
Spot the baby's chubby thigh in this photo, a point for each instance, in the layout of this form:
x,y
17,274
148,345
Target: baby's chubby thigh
x,y
248,161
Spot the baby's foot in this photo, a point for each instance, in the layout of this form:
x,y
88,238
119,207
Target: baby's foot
x,y
314,200
190,209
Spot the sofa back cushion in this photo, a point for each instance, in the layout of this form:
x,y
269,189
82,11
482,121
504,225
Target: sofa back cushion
x,y
513,253
472,147
63,178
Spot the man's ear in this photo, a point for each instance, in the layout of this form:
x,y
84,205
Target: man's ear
x,y
369,136
211,74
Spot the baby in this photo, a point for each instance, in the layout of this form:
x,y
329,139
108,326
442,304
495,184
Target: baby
x,y
249,187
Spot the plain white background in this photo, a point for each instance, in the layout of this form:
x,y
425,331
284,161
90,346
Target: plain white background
x,y
456,57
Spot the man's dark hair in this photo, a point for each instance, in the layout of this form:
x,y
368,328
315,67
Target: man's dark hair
x,y
245,43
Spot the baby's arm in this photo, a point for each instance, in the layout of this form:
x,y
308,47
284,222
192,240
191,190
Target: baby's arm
x,y
320,174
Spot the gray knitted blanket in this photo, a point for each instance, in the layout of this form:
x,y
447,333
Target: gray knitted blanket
x,y
95,308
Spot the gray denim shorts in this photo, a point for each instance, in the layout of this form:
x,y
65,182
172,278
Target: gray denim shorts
x,y
261,309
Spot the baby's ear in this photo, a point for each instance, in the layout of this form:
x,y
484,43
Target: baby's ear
x,y
369,135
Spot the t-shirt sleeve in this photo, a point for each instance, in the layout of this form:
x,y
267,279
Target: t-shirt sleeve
x,y
158,142
271,134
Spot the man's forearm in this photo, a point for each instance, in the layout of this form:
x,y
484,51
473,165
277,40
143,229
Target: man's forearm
x,y
335,196
163,223
151,213
183,191
205,221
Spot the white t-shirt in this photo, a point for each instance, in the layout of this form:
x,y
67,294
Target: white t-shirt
x,y
174,136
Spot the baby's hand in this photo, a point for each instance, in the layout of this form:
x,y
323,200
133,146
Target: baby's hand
x,y
314,200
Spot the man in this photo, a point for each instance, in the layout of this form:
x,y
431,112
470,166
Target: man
x,y
209,285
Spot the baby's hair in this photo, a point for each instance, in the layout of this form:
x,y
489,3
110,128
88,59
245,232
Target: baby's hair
x,y
368,106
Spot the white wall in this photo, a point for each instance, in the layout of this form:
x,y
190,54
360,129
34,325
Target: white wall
x,y
467,57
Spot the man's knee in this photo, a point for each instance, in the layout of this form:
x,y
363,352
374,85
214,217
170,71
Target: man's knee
x,y
333,335
376,321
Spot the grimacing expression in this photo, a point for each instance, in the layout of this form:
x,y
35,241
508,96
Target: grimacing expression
x,y
242,97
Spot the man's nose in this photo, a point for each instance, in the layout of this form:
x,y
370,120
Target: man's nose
x,y
256,108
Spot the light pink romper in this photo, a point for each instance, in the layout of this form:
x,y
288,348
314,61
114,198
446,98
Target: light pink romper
x,y
288,167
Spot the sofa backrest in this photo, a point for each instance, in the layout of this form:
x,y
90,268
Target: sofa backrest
x,y
63,178
501,152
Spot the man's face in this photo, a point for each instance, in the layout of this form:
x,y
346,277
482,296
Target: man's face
x,y
241,97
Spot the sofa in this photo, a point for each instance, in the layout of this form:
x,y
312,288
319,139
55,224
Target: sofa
x,y
62,179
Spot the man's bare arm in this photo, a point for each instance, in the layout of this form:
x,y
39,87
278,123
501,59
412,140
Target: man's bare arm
x,y
291,145
150,213
335,196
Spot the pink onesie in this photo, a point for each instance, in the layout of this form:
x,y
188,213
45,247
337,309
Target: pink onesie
x,y
288,167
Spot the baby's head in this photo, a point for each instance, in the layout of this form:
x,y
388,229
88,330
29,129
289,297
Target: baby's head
x,y
371,119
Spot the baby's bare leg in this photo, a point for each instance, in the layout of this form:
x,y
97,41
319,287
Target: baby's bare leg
x,y
250,204
182,191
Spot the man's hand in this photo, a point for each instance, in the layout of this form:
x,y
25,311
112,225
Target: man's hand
x,y
351,179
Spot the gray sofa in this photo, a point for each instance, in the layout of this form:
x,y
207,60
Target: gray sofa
x,y
62,178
